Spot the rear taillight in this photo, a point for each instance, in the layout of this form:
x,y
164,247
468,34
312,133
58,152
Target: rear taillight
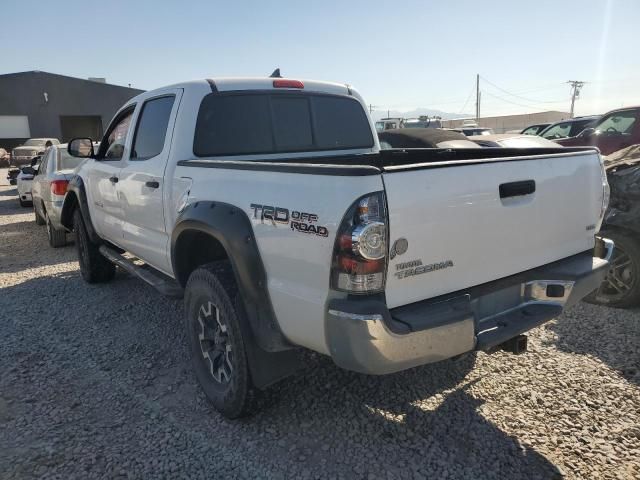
x,y
59,187
284,83
361,248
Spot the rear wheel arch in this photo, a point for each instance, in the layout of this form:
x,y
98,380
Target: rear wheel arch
x,y
225,231
77,198
193,248
68,207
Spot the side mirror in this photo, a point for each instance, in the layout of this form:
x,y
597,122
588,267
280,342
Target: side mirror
x,y
587,132
34,161
81,148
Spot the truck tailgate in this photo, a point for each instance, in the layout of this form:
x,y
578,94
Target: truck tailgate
x,y
469,223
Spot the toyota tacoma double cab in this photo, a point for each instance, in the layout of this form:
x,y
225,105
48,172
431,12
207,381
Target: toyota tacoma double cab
x,y
269,207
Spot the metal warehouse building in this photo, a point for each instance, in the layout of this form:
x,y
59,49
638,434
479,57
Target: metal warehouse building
x,y
40,104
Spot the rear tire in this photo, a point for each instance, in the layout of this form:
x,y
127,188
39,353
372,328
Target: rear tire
x,y
57,238
214,316
621,287
24,203
94,268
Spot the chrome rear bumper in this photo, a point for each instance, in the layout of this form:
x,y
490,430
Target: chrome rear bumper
x,y
364,336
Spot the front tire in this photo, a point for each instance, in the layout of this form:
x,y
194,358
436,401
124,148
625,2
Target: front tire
x,y
24,203
214,314
621,287
94,268
57,238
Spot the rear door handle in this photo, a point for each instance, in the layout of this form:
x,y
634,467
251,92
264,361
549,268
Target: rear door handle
x,y
152,184
515,189
113,179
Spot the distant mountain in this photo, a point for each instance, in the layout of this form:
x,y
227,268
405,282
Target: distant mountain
x,y
378,114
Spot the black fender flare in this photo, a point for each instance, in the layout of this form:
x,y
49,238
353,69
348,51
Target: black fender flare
x,y
231,227
76,197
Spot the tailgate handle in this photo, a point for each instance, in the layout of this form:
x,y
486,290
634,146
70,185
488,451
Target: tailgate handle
x,y
514,189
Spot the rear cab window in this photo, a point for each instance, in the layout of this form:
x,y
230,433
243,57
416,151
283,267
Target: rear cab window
x,y
244,123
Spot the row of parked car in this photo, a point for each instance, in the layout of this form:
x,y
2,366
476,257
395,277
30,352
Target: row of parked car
x,y
42,184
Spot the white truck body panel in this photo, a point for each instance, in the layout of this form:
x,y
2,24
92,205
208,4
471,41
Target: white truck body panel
x,y
455,213
298,293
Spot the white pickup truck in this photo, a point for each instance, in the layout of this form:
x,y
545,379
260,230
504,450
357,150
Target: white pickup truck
x,y
268,205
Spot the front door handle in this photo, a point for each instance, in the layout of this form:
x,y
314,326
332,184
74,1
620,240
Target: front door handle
x,y
113,179
152,184
515,189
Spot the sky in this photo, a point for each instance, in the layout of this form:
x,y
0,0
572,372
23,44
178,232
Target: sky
x,y
399,55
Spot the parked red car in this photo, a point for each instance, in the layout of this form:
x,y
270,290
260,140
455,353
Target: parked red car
x,y
616,130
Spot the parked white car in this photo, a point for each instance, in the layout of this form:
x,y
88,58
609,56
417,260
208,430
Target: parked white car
x,y
517,140
24,182
49,188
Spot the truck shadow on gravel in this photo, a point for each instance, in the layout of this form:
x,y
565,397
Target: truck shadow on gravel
x,y
609,334
424,422
122,336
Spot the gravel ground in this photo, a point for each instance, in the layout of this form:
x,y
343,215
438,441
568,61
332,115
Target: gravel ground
x,y
95,383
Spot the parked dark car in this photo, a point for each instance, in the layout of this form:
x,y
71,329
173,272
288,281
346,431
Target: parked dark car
x,y
616,130
569,128
535,129
621,287
423,138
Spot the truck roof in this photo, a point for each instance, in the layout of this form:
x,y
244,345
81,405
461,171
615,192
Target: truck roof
x,y
225,84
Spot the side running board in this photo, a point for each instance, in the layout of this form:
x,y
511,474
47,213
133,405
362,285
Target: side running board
x,y
165,285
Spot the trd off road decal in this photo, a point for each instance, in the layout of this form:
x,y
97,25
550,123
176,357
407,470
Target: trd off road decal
x,y
298,221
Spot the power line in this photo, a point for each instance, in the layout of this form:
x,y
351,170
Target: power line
x,y
467,100
515,95
512,102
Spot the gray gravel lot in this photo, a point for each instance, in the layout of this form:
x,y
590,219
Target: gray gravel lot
x,y
95,383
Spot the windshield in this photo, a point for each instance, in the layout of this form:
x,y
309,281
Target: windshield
x,y
35,142
533,130
620,123
66,161
559,130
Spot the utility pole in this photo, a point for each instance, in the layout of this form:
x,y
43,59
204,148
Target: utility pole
x,y
477,97
576,85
